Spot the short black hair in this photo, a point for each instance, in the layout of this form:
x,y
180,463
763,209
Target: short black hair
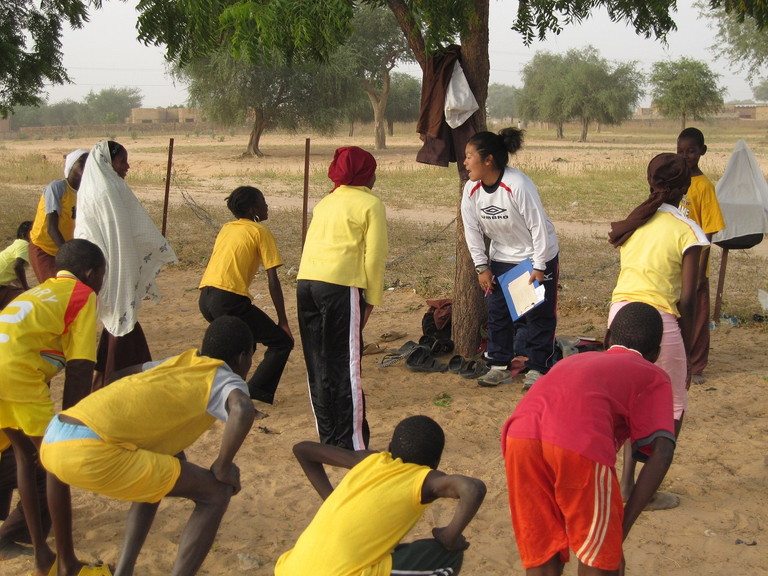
x,y
23,229
242,199
637,326
693,134
418,440
226,338
78,256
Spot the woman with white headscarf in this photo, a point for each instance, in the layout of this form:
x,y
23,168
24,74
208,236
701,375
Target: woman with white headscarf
x,y
55,217
110,216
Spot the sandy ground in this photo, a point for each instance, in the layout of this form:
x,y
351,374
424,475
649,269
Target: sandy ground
x,y
719,471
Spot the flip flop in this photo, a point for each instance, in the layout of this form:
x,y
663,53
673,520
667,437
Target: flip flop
x,y
420,360
394,356
390,336
372,348
473,369
456,364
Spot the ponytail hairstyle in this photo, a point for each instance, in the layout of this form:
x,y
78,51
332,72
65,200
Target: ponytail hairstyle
x,y
242,199
499,146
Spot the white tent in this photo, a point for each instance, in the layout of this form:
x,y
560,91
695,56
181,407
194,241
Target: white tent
x,y
742,193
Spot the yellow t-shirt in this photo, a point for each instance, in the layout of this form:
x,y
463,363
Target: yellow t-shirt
x,y
346,242
652,260
358,526
19,249
40,331
240,248
163,409
700,205
57,197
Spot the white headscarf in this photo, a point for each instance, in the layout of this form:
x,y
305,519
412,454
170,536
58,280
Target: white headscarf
x,y
72,157
110,215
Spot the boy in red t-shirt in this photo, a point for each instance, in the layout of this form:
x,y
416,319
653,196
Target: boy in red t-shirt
x,y
561,441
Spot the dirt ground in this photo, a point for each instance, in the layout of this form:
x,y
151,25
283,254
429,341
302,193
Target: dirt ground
x,y
720,469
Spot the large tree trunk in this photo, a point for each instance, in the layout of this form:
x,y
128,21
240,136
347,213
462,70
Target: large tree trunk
x,y
468,303
584,129
683,122
559,131
378,100
469,311
257,130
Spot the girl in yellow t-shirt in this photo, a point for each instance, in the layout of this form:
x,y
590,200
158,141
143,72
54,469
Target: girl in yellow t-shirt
x,y
240,249
660,250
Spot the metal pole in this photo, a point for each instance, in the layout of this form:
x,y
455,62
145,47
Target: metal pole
x,y
306,194
167,185
720,285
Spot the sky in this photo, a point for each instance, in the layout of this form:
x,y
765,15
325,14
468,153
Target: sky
x,y
105,52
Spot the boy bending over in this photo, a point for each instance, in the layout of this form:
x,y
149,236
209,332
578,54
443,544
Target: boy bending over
x,y
560,449
357,529
121,442
47,328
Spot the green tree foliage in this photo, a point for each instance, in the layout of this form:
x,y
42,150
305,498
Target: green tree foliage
x,y
108,106
542,97
502,101
404,100
111,105
30,53
684,89
760,90
268,94
740,40
374,48
578,85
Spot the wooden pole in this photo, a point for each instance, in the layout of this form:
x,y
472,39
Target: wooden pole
x,y
167,185
720,285
306,194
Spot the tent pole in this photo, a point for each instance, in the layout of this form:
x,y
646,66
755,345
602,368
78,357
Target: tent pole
x,y
720,284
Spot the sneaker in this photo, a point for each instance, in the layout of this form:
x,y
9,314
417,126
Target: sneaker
x,y
495,376
530,379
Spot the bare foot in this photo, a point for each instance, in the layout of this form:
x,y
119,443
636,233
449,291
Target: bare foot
x,y
662,501
698,379
9,550
259,415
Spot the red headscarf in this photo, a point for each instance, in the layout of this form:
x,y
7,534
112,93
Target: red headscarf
x,y
351,166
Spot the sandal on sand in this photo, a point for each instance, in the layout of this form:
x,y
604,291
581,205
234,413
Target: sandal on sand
x,y
372,348
390,336
456,364
420,360
473,369
394,356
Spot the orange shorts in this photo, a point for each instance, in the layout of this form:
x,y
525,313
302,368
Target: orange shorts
x,y
561,500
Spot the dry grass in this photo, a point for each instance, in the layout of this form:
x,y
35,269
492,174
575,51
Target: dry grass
x,y
595,182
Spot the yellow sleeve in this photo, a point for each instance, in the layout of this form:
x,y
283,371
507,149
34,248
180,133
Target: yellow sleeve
x,y
376,250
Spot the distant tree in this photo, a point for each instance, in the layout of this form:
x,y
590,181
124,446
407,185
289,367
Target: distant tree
x,y
502,101
685,89
739,37
269,94
376,45
542,97
30,53
760,90
404,100
595,91
358,109
111,105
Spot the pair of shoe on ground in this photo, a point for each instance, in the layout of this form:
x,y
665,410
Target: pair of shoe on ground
x,y
498,375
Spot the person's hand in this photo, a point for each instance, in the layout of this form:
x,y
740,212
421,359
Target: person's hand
x,y
486,281
227,475
449,540
537,275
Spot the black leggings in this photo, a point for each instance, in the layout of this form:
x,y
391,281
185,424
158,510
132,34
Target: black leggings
x,y
262,385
